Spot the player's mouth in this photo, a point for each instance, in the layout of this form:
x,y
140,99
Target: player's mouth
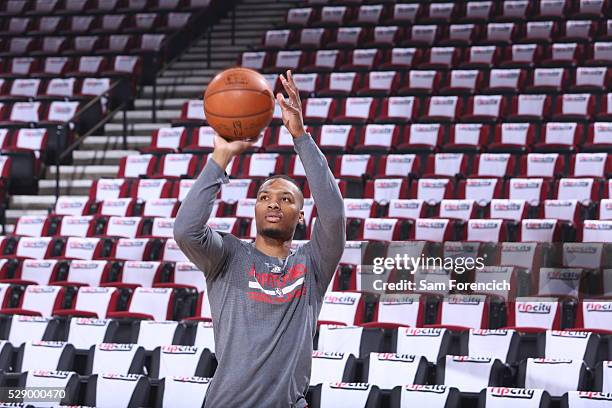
x,y
274,216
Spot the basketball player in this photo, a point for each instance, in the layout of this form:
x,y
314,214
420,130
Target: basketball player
x,y
264,297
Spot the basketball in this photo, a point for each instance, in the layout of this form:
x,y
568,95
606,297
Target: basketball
x,y
238,103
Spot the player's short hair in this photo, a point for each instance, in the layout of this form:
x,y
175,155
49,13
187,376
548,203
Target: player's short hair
x,y
283,177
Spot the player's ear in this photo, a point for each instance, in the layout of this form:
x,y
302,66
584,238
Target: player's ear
x,y
301,217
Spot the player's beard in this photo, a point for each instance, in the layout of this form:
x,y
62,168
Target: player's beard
x,y
274,233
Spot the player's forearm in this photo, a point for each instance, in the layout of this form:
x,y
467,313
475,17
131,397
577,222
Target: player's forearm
x,y
197,206
323,186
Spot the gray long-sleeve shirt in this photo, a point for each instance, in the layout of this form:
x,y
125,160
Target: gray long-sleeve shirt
x,y
264,322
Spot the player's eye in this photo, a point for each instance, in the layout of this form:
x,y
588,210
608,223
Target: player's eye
x,y
286,199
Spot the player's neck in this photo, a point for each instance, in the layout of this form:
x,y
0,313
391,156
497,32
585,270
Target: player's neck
x,y
272,247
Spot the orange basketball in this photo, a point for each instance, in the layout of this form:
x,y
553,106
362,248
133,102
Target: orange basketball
x,y
238,103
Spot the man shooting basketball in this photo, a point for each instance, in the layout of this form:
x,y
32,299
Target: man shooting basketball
x,y
264,297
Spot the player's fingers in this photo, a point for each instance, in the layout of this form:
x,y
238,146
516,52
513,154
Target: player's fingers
x,y
293,96
291,81
282,101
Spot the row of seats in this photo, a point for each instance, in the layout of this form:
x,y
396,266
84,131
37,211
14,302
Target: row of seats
x,y
438,58
82,24
508,137
36,7
53,46
459,81
324,13
356,166
459,35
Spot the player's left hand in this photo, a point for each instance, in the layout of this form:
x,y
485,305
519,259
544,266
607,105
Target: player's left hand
x,y
291,108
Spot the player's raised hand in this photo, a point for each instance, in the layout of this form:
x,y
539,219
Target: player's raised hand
x,y
291,107
225,150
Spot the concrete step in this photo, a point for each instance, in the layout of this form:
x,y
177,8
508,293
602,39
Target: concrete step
x,y
96,157
81,172
186,80
200,65
169,103
67,187
133,129
184,91
147,115
31,202
115,142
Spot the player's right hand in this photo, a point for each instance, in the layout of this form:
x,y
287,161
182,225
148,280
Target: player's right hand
x,y
225,150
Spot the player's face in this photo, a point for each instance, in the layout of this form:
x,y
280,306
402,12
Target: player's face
x,y
278,209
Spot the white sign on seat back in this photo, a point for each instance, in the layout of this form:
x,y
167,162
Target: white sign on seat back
x,y
71,205
531,104
399,165
482,54
553,375
262,164
597,231
589,399
354,165
352,253
153,301
125,63
582,255
108,188
156,333
82,248
541,164
172,252
340,307
579,189
176,164
342,81
27,328
424,395
386,368
513,397
126,227
344,395
379,229
186,273
88,272
538,230
401,309
131,249
75,226
427,229
590,164
468,374
84,333
559,281
358,207
61,87
62,111
493,274
345,339
140,272
529,189
33,247
426,340
566,344
596,314
493,164
327,366
113,357
44,378
40,298
535,312
94,299
163,227
518,254
205,336
30,225
480,190
31,139
25,87
38,271
484,230
115,389
386,190
335,135
457,209
547,76
494,344
159,207
42,355
253,60
179,389
150,188
464,310
95,86
432,190
318,107
178,360
137,165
